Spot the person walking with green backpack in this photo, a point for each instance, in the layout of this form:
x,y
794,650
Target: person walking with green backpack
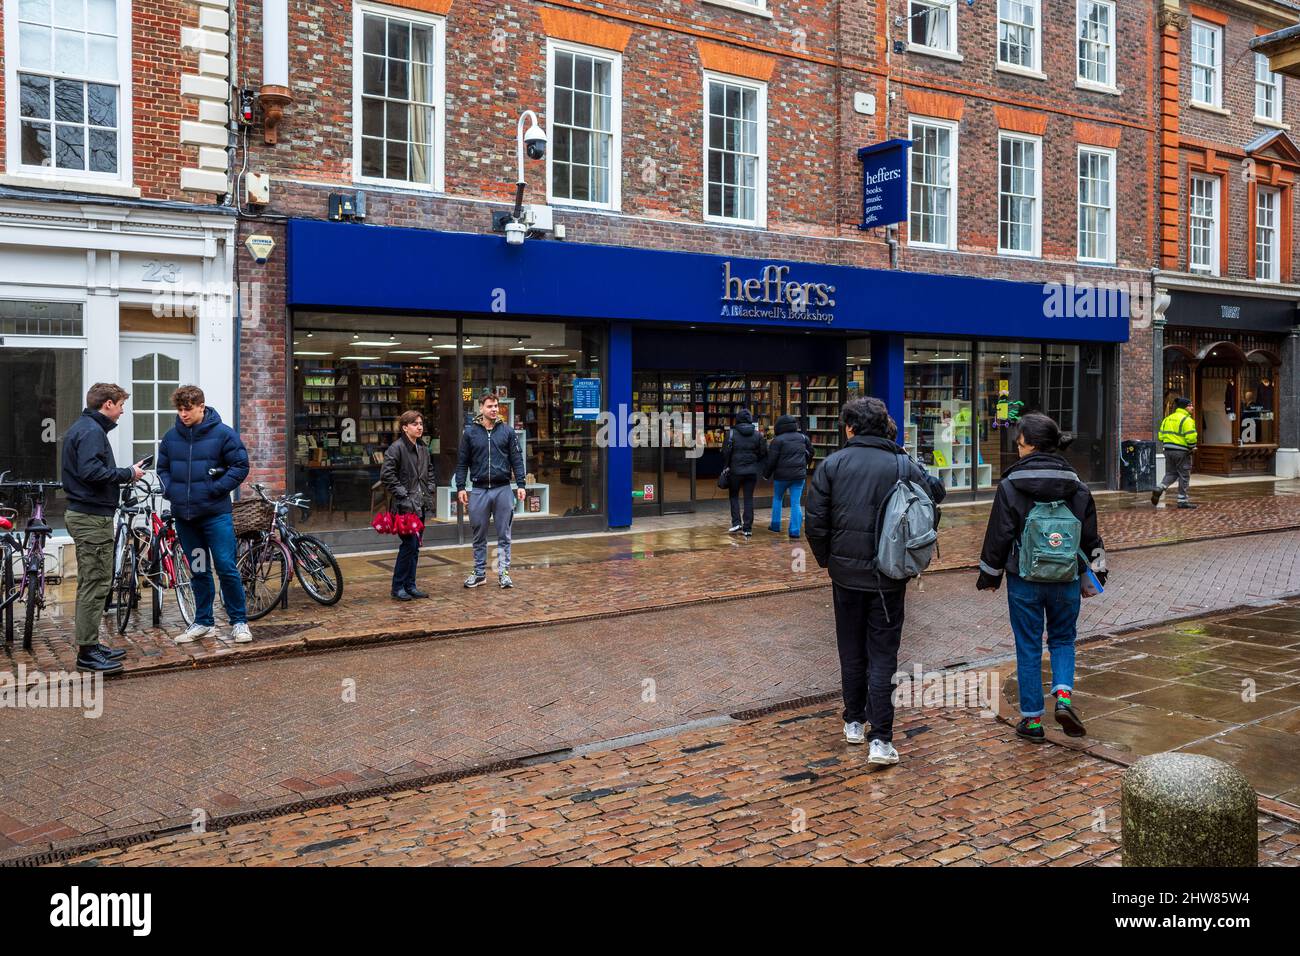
x,y
1042,533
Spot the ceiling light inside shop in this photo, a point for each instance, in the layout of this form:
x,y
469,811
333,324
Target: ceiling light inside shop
x,y
378,345
525,348
408,351
430,358
361,358
550,356
313,353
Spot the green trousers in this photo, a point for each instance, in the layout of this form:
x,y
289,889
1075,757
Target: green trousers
x,y
93,536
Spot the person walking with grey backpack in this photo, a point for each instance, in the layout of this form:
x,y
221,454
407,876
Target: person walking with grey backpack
x,y
870,522
1042,533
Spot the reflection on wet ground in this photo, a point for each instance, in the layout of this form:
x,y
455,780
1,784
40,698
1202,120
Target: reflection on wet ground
x,y
1228,687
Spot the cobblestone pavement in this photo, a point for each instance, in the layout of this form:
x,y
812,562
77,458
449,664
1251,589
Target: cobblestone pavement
x,y
1227,687
269,732
574,578
780,789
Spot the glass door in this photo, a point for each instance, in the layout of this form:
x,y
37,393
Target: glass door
x,y
151,370
664,466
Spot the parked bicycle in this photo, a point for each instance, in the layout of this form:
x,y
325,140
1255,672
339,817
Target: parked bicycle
x,y
271,550
147,552
27,551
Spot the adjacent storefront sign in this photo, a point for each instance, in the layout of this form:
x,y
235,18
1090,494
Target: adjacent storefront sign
x,y
884,183
773,294
586,399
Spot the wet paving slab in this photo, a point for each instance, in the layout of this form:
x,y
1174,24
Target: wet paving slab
x,y
1226,686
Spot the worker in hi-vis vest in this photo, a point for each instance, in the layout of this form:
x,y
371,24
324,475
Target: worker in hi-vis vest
x,y
1178,432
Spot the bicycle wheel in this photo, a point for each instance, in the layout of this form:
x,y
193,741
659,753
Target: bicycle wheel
x,y
124,588
121,544
264,568
35,595
317,571
8,592
183,582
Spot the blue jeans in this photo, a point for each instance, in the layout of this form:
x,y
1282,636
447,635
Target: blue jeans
x,y
214,534
796,505
1031,602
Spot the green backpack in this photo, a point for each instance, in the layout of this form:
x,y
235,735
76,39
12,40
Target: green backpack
x,y
1049,545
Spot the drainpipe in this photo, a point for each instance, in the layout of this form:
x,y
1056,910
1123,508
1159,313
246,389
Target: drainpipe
x,y
233,251
891,238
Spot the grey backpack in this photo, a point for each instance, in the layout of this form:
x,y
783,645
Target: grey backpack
x,y
906,535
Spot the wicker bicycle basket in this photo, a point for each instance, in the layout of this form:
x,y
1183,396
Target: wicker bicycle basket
x,y
252,516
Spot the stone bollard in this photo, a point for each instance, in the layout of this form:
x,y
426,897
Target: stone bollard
x,y
1188,810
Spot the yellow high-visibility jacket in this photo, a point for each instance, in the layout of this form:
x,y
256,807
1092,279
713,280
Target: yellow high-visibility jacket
x,y
1179,429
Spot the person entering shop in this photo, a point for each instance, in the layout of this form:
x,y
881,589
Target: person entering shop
x,y
489,455
743,452
788,458
1178,432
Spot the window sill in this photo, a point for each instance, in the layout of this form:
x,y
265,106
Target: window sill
x,y
1014,254
742,7
396,185
735,223
1204,273
1276,124
1096,87
578,205
936,52
931,246
1210,108
1021,71
92,186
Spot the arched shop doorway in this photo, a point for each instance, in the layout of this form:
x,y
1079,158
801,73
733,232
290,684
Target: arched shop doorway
x,y
1232,382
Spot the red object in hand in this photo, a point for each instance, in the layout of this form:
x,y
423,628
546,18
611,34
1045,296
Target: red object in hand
x,y
383,522
408,524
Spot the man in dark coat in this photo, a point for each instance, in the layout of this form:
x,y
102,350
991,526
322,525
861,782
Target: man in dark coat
x,y
848,491
788,457
488,458
200,462
743,451
407,473
91,480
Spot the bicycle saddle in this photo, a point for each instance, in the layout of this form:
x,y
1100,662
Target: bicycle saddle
x,y
39,527
166,514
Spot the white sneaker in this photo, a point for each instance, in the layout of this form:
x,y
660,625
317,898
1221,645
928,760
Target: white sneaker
x,y
855,733
882,752
194,633
241,634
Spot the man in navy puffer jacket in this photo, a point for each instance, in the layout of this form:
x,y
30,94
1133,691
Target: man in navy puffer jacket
x,y
200,462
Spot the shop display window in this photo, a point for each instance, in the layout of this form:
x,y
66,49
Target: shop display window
x,y
937,416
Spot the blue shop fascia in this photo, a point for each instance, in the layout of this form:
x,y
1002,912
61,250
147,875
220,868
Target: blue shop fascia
x,y
621,368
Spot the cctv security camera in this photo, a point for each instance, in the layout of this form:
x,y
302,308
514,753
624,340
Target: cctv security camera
x,y
535,141
516,232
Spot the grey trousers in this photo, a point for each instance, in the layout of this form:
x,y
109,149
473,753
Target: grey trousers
x,y
485,503
1178,467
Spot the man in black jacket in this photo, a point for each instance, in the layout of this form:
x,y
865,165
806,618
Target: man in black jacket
x,y
489,455
848,491
788,457
743,451
407,474
91,480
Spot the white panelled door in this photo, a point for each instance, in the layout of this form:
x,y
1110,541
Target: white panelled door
x,y
151,370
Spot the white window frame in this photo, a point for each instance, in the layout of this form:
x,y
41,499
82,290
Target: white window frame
x,y
1216,32
760,175
1278,84
953,140
1214,266
1037,250
950,50
1035,67
439,24
1275,272
615,121
1108,254
67,178
1108,83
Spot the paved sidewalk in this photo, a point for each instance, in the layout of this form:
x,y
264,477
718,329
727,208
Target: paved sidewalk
x,y
270,732
782,789
583,578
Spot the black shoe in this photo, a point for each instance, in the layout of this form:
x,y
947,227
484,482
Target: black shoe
x,y
1069,720
1032,734
1155,495
773,530
417,593
91,661
402,595
794,537
749,534
112,653
1186,504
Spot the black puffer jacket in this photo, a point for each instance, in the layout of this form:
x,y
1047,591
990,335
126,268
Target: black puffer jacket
x,y
848,489
790,452
744,450
1039,476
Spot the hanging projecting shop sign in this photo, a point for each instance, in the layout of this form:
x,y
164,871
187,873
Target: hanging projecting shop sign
x,y
884,183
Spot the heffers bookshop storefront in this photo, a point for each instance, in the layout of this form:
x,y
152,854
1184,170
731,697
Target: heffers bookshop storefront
x,y
622,368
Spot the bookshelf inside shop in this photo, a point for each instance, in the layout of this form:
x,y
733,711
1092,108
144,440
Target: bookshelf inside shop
x,y
818,403
939,434
373,397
